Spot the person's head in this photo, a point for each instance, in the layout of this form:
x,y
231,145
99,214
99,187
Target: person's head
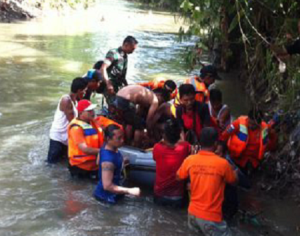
x,y
114,136
215,97
162,95
170,86
187,95
255,117
86,110
79,87
98,65
172,130
129,44
93,78
209,138
209,74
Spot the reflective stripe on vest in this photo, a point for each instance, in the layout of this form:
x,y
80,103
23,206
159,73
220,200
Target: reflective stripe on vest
x,y
238,142
91,137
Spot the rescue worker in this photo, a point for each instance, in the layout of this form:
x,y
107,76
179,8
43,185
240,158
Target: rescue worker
x,y
114,68
192,115
247,138
208,75
219,112
168,85
65,112
94,80
208,174
85,140
109,188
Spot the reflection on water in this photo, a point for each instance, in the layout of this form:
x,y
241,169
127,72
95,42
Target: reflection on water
x,y
37,62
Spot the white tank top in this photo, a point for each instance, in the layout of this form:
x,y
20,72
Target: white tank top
x,y
220,113
58,131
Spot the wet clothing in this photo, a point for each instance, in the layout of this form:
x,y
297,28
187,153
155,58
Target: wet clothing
x,y
208,228
82,174
57,152
175,202
294,48
195,119
129,115
168,160
82,132
58,147
208,174
59,127
246,145
116,159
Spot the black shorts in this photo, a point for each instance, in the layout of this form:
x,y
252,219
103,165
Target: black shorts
x,y
57,152
128,111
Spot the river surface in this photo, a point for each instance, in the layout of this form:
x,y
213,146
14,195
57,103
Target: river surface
x,y
38,61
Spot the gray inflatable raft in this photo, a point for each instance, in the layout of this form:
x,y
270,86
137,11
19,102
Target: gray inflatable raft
x,y
141,165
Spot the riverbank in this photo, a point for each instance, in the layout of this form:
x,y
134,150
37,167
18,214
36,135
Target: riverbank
x,y
20,10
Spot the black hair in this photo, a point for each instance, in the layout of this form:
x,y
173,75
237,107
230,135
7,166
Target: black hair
x,y
171,84
109,131
186,89
98,65
163,92
130,40
78,84
172,130
208,137
256,115
97,76
215,95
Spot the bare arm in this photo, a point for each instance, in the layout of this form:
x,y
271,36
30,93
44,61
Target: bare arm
x,y
67,108
108,185
223,118
104,74
151,113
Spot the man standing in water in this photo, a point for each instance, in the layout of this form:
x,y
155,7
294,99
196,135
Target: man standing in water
x,y
85,140
65,112
114,68
208,174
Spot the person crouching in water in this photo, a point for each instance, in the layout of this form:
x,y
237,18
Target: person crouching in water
x,y
85,140
110,168
169,155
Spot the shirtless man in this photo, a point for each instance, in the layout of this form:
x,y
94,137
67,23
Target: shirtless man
x,y
126,101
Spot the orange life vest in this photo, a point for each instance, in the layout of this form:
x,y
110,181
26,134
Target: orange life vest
x,y
103,122
238,142
158,83
93,136
202,93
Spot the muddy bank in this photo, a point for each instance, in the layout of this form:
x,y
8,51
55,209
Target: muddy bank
x,y
12,10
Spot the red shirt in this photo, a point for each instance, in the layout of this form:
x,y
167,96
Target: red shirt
x,y
168,160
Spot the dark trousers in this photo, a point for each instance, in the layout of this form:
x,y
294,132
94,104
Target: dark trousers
x,y
57,152
164,201
83,174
